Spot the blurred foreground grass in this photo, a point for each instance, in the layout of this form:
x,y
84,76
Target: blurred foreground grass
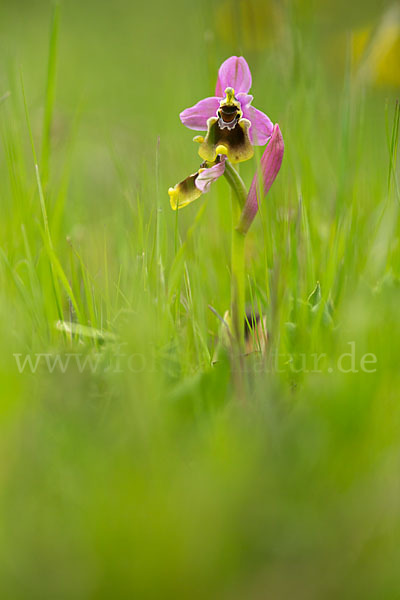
x,y
140,471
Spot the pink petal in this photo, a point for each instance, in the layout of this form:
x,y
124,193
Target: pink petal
x,y
244,99
261,125
270,164
234,73
207,176
196,116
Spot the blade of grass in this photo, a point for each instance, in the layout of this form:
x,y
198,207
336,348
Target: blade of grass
x,y
393,146
50,93
56,268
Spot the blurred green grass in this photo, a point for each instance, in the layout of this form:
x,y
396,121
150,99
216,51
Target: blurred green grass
x,y
151,476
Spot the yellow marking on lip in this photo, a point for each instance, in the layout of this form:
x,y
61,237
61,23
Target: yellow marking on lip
x,y
221,149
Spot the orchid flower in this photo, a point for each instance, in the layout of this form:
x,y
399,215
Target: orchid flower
x,y
233,128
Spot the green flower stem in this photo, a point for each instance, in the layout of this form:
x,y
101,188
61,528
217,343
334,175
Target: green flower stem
x,y
238,286
239,195
236,183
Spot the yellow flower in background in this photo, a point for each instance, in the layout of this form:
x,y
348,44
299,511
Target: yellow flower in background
x,y
257,25
376,50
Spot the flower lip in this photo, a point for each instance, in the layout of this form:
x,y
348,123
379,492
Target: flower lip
x,y
184,192
230,139
191,188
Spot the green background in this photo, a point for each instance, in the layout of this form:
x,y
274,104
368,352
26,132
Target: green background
x,y
163,473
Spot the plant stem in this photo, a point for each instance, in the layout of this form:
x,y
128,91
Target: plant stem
x,y
238,286
236,182
237,257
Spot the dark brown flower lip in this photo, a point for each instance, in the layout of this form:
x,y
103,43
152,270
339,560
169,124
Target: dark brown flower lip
x,y
231,139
